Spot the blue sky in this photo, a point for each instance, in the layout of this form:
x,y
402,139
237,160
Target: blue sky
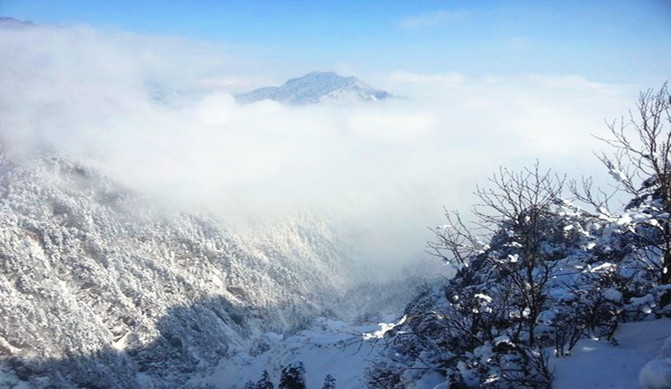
x,y
606,41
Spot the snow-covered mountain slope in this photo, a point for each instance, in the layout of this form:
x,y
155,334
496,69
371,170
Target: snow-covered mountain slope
x,y
101,289
317,87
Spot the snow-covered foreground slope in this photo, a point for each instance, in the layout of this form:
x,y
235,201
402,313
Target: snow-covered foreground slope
x,y
327,347
336,348
597,364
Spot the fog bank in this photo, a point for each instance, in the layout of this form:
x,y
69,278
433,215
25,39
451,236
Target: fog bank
x,y
158,114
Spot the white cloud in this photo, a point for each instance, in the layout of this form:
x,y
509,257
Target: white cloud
x,y
146,110
382,126
434,19
440,78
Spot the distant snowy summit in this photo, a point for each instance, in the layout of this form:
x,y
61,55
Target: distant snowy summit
x,y
317,87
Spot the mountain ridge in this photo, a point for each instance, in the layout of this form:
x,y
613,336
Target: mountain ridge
x,y
314,88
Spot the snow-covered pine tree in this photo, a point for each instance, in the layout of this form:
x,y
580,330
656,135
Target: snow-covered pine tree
x,y
264,382
293,376
329,382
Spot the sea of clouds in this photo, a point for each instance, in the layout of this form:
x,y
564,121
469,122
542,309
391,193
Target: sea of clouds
x,y
158,114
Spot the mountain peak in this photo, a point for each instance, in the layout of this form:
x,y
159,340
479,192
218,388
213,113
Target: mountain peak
x,y
316,87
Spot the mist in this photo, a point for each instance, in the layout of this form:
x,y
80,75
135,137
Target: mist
x,y
158,114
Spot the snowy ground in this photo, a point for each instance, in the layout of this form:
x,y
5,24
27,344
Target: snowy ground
x,y
595,364
333,347
328,347
336,348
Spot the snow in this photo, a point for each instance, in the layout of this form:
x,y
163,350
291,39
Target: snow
x,y
612,294
327,347
384,329
618,175
484,297
9,380
599,364
337,348
656,374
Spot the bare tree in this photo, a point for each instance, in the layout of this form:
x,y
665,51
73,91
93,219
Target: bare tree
x,y
642,168
515,208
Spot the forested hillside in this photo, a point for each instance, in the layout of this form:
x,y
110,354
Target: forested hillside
x,y
99,284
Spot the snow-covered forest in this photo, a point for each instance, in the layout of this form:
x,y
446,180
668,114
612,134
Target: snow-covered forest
x,y
100,287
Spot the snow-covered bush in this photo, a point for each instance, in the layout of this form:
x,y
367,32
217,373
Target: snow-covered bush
x,y
542,275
